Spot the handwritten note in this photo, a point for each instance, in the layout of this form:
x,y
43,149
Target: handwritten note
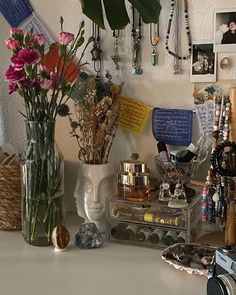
x,y
133,115
205,113
15,11
172,126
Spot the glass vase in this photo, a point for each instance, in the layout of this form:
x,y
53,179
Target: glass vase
x,y
43,184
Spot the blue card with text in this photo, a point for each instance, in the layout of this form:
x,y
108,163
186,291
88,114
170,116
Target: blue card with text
x,y
15,11
172,126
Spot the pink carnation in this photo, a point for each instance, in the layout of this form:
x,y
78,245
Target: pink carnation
x,y
39,39
29,55
14,31
65,38
12,88
13,76
46,84
12,44
17,63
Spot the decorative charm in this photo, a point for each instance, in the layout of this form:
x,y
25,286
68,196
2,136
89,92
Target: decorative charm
x,y
154,39
116,56
88,237
136,35
187,27
60,238
96,51
179,198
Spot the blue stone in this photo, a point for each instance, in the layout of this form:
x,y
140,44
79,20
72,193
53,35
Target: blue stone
x,y
88,236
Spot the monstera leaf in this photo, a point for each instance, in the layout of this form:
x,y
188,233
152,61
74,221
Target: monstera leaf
x,y
116,12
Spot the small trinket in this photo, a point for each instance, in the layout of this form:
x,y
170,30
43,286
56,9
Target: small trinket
x,y
88,236
60,238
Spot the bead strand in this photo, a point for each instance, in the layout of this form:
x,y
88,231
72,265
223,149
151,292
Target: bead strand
x,y
187,27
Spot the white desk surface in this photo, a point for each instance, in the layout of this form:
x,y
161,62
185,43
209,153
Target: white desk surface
x,y
113,269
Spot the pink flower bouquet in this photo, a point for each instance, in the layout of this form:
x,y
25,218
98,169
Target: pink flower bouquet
x,y
43,91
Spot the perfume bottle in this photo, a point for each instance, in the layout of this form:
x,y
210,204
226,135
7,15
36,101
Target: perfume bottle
x,y
130,232
143,234
170,237
134,180
156,236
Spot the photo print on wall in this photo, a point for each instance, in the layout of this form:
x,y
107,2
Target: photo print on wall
x,y
203,62
225,31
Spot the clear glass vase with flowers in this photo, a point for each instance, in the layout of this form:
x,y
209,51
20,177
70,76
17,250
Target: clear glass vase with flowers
x,y
93,122
43,93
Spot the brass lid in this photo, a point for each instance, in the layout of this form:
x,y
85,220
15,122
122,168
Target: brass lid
x,y
133,165
140,179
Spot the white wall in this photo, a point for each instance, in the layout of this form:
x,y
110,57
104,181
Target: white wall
x,y
156,87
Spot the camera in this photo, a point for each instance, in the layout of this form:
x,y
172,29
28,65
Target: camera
x,y
222,273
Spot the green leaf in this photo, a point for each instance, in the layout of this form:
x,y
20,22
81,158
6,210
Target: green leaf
x,y
93,10
116,13
149,9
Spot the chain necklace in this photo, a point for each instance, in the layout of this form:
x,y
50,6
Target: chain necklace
x,y
187,28
136,35
154,39
116,55
96,51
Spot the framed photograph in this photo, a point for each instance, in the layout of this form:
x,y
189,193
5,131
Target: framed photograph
x,y
225,31
203,62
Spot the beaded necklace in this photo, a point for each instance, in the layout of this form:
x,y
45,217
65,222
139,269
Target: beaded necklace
x,y
215,192
187,27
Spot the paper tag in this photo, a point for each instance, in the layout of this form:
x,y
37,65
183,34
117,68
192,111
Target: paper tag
x,y
133,115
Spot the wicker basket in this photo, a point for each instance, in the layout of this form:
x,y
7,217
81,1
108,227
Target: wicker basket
x,y
10,197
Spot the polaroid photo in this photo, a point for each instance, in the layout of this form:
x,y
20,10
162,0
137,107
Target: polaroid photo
x,y
203,62
225,31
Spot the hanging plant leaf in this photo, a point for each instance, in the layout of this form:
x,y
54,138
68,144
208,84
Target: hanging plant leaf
x,y
116,13
149,9
93,10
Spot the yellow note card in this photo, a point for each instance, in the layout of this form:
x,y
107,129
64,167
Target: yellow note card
x,y
133,115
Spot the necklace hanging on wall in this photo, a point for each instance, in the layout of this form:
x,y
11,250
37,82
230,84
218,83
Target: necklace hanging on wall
x,y
96,51
175,11
154,39
136,36
116,55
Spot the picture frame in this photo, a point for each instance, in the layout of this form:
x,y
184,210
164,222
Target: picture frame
x,y
203,66
225,30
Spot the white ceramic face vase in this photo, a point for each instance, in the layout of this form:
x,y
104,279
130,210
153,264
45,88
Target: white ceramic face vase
x,y
94,184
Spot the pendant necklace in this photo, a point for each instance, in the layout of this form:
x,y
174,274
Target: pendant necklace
x,y
154,39
175,11
136,36
116,55
96,51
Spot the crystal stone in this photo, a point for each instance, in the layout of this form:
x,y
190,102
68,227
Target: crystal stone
x,y
88,236
60,238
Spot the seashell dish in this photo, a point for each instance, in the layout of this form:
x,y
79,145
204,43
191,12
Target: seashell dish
x,y
192,258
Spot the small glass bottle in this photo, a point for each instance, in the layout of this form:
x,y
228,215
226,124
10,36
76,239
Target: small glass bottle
x,y
170,237
156,236
130,232
181,238
143,234
117,232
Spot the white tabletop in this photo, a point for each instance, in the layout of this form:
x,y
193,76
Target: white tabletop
x,y
113,269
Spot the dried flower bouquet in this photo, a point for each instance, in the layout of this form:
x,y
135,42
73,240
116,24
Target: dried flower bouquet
x,y
95,120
